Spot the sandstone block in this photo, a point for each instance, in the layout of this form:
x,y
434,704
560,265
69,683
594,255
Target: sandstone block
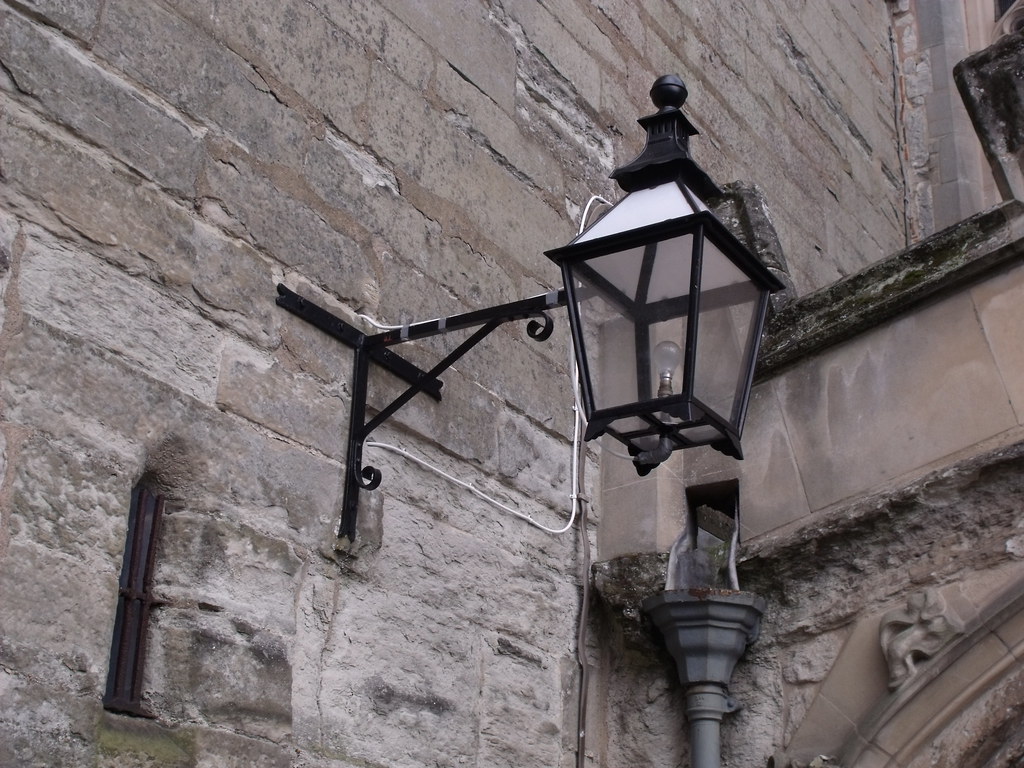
x,y
41,726
514,686
58,636
422,677
216,748
292,404
399,46
72,498
467,432
226,566
204,666
573,45
287,229
890,377
477,48
235,285
77,17
197,449
76,92
990,84
771,488
185,64
318,65
499,588
38,163
122,740
473,192
499,134
156,332
999,309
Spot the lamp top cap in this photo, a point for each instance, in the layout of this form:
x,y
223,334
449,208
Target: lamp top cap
x,y
668,92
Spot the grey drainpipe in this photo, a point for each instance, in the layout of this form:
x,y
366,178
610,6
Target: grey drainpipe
x,y
706,631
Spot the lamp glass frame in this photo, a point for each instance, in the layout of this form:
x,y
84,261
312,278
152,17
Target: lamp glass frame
x,y
685,418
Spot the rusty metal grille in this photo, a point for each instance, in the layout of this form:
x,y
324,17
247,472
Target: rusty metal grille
x,y
134,601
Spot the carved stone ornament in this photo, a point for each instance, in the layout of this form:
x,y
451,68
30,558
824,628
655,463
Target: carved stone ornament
x,y
1011,22
915,633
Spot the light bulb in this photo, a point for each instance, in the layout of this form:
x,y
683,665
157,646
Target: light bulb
x,y
667,357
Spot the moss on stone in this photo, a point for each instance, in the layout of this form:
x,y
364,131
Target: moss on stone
x,y
116,735
881,291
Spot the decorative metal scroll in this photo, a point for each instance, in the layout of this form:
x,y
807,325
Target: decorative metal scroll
x,y
913,634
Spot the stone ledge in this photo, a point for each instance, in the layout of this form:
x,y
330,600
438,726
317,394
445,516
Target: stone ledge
x,y
884,527
944,262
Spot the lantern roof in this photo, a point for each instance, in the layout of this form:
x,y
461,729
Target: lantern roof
x,y
667,201
666,155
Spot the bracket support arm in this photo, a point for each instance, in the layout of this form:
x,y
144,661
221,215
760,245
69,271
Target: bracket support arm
x,y
375,347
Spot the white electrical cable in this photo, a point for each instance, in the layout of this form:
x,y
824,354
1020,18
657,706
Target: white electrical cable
x,y
470,487
377,325
576,498
586,211
581,504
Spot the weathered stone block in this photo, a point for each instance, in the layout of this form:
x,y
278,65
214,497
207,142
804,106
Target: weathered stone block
x,y
841,451
234,283
305,60
41,726
515,682
992,88
38,163
399,46
60,636
83,96
505,591
189,67
499,134
542,36
71,498
459,183
199,450
77,17
122,740
297,406
477,48
468,433
1002,314
220,670
217,748
288,229
226,566
771,488
74,292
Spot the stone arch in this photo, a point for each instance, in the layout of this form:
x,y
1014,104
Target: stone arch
x,y
968,702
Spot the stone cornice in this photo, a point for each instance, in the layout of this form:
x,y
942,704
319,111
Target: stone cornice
x,y
943,263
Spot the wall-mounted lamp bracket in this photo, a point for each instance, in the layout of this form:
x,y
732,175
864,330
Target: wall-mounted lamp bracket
x,y
375,347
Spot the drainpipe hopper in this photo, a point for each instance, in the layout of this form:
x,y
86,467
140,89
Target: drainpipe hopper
x,y
706,631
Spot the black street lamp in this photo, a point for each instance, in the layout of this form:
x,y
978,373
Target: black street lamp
x,y
666,306
666,309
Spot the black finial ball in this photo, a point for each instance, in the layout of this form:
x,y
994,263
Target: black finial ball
x,y
668,91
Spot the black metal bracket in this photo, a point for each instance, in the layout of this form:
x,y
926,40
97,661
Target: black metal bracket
x,y
375,347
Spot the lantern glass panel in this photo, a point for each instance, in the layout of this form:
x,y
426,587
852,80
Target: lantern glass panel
x,y
729,305
629,304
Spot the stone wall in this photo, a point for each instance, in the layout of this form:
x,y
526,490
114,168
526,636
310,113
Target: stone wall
x,y
165,163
